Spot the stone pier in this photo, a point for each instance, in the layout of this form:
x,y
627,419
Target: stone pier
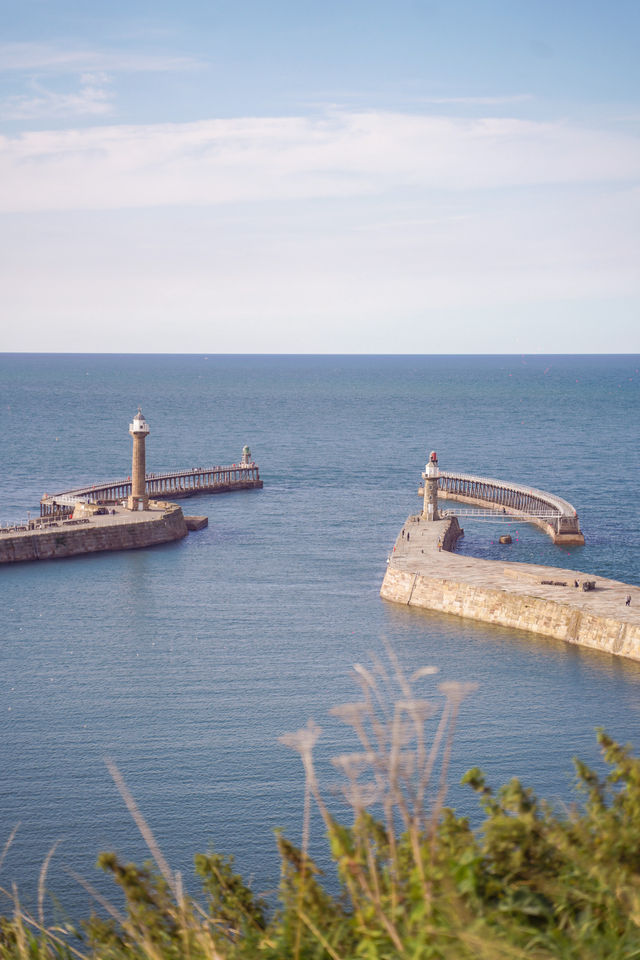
x,y
120,529
424,571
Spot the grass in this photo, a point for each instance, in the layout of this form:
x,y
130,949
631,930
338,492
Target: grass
x,y
413,879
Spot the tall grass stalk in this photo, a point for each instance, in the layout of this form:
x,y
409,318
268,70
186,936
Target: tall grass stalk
x,y
414,881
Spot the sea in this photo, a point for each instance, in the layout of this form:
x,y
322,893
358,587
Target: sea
x,y
185,663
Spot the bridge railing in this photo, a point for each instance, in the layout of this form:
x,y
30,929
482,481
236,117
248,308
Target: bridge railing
x,y
498,491
494,513
173,483
515,498
153,477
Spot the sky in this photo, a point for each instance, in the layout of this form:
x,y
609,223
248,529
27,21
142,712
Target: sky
x,y
455,176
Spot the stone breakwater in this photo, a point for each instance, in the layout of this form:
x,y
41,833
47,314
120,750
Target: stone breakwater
x,y
423,571
123,530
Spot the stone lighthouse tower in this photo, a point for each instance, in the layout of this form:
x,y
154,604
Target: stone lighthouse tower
x,y
430,483
139,430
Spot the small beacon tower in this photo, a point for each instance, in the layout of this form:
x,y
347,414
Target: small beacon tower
x,y
246,456
430,484
139,430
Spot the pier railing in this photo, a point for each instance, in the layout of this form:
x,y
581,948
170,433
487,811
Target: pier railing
x,y
173,485
527,503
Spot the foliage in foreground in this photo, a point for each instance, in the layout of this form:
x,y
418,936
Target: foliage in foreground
x,y
414,881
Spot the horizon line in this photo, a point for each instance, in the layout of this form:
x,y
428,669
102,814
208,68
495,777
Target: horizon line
x,y
205,355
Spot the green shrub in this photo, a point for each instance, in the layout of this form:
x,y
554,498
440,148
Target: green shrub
x,y
413,880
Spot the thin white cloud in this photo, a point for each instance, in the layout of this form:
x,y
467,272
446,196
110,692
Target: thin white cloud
x,y
69,58
93,97
481,101
387,273
337,155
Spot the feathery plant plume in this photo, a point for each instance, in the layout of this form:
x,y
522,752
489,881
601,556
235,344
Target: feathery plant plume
x,y
415,881
143,827
403,737
8,843
42,878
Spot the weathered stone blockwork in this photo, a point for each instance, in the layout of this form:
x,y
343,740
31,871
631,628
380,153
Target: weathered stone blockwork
x,y
68,541
424,571
548,617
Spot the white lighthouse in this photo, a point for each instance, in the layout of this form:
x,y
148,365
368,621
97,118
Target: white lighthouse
x,y
430,483
139,430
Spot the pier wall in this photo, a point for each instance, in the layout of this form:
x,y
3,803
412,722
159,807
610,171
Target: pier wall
x,y
548,617
424,571
62,541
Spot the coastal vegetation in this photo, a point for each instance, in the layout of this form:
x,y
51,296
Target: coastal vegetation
x,y
412,878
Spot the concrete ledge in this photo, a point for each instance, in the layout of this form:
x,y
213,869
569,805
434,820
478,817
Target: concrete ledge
x,y
196,523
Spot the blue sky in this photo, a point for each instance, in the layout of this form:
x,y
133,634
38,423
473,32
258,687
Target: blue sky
x,y
320,177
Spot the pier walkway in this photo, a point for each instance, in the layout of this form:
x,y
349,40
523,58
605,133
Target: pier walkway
x,y
424,572
174,485
557,517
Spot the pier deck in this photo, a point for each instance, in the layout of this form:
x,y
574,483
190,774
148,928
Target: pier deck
x,y
512,594
122,529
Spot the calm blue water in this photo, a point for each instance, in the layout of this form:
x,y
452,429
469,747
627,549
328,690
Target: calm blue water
x,y
185,663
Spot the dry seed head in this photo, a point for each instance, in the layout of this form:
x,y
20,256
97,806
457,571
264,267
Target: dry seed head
x,y
423,672
304,740
351,713
359,796
366,675
352,764
418,710
456,692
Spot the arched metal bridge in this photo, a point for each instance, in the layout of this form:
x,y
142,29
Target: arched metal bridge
x,y
556,516
173,485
